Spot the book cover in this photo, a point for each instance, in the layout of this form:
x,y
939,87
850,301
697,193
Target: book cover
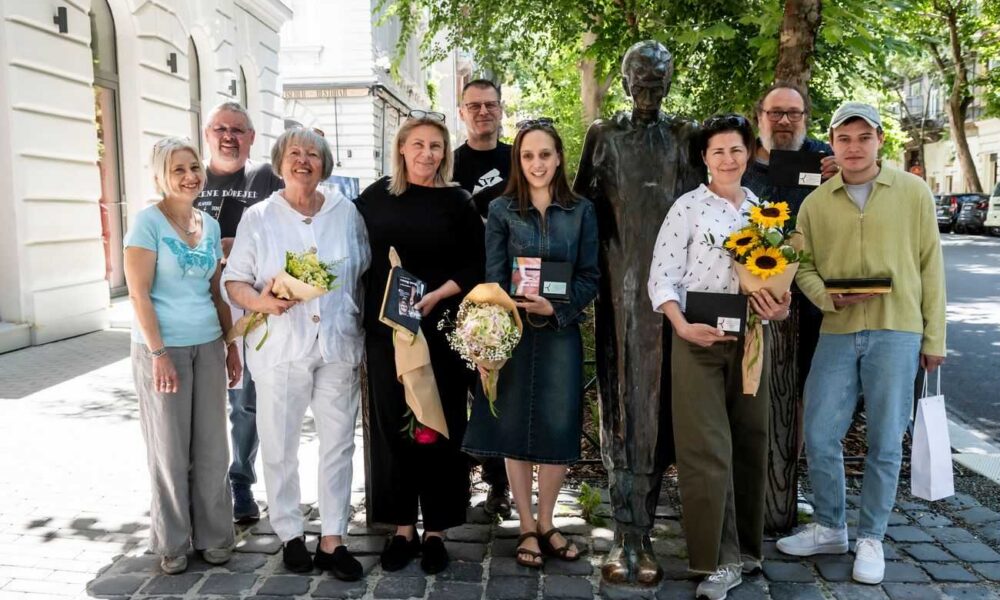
x,y
402,292
548,279
795,168
859,285
727,312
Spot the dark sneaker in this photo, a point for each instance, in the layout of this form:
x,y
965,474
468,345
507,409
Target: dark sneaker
x,y
498,502
340,563
435,555
296,557
399,551
245,509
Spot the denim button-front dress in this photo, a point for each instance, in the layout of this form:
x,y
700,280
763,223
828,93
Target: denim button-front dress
x,y
539,391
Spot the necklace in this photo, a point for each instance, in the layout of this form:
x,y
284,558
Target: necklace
x,y
174,221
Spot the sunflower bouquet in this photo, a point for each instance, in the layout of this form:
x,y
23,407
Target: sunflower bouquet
x,y
766,252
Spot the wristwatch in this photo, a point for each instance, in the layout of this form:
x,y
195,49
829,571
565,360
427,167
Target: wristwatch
x,y
158,353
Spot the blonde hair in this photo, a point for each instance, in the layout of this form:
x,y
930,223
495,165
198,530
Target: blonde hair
x,y
306,138
160,163
398,182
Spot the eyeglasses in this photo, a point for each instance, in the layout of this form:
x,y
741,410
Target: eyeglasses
x,y
426,114
221,130
474,107
732,120
794,116
540,122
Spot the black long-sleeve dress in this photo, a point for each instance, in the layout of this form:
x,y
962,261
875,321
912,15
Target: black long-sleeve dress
x,y
439,237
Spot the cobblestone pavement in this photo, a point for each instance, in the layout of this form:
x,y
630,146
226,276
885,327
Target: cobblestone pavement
x,y
74,520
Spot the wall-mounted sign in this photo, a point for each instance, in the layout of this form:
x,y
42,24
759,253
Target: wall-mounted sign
x,y
319,93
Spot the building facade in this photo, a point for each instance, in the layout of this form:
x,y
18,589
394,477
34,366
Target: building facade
x,y
336,57
86,88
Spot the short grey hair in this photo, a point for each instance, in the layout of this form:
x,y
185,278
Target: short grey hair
x,y
160,162
235,107
303,137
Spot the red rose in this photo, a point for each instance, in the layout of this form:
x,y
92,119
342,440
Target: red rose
x,y
424,435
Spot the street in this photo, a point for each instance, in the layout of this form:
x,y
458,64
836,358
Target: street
x,y
971,374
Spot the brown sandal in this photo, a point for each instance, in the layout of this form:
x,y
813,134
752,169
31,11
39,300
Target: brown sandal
x,y
562,553
536,557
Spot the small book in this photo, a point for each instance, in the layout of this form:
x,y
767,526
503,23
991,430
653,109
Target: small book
x,y
402,291
548,279
859,285
727,312
795,168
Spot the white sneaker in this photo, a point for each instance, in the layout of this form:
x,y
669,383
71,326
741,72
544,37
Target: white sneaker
x,y
815,539
869,562
217,556
716,585
171,565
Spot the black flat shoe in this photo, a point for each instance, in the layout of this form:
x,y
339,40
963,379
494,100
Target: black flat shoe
x,y
340,563
399,551
435,555
296,557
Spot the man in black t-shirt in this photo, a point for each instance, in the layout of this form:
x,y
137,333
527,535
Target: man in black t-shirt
x,y
231,186
482,163
482,166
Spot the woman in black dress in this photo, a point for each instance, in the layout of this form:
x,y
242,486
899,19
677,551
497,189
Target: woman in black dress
x,y
438,234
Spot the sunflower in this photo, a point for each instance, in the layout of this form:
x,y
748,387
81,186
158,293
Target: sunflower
x,y
742,241
765,262
770,215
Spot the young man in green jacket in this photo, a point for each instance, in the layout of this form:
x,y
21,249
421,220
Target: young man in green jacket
x,y
867,221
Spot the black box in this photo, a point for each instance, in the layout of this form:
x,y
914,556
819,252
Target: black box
x,y
727,312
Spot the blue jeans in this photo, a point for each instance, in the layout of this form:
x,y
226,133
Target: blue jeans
x,y
882,365
243,418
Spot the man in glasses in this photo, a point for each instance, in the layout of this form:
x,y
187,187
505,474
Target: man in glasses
x,y
231,186
482,163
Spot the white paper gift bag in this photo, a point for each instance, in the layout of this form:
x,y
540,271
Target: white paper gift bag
x,y
931,476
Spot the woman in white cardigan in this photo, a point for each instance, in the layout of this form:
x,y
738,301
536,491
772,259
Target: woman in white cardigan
x,y
313,349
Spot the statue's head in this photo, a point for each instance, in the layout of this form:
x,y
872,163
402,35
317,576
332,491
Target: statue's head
x,y
647,70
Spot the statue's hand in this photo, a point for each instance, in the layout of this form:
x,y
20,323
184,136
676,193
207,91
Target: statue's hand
x,y
703,335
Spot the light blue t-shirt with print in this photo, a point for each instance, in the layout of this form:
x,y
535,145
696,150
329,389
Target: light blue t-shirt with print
x,y
181,285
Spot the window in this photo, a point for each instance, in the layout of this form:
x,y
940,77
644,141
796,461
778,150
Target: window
x,y
194,85
106,103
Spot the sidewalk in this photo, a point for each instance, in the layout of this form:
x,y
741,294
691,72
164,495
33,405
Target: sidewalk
x,y
74,519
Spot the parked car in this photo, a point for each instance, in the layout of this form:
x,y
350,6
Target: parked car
x,y
949,210
972,216
992,222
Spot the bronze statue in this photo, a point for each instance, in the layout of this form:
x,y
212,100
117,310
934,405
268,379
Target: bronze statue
x,y
633,167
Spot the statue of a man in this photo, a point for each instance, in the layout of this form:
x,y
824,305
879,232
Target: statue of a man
x,y
633,167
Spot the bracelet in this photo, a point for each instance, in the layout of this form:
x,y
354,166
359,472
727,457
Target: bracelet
x,y
160,352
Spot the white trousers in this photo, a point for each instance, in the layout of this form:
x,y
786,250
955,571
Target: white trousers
x,y
283,394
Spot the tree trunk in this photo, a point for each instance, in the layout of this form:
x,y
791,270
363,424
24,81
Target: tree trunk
x,y
797,41
593,87
959,99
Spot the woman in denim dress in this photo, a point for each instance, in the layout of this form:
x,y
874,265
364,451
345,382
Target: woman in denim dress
x,y
540,388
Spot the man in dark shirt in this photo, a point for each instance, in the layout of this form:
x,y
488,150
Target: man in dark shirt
x,y
482,163
482,166
231,187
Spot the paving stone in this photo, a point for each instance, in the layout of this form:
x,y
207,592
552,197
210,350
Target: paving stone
x,y
909,505
978,515
246,563
748,590
771,552
896,518
835,568
907,533
225,583
951,534
469,533
601,545
382,530
788,571
963,592
902,572
477,516
260,544
144,564
973,551
990,571
503,566
961,500
365,544
675,568
503,547
285,585
933,520
857,591
507,529
911,591
466,551
678,590
566,567
401,587
619,592
262,527
334,588
949,572
455,590
511,588
561,586
795,591
462,571
116,585
989,532
890,552
928,552
171,584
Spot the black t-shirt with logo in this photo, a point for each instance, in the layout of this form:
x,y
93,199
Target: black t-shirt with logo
x,y
483,173
225,197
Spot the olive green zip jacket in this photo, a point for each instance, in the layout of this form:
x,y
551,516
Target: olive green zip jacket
x,y
895,236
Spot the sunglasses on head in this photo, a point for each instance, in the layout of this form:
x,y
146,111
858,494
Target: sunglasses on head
x,y
426,114
729,120
540,122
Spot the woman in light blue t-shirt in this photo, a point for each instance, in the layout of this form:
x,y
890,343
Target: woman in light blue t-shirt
x,y
180,363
